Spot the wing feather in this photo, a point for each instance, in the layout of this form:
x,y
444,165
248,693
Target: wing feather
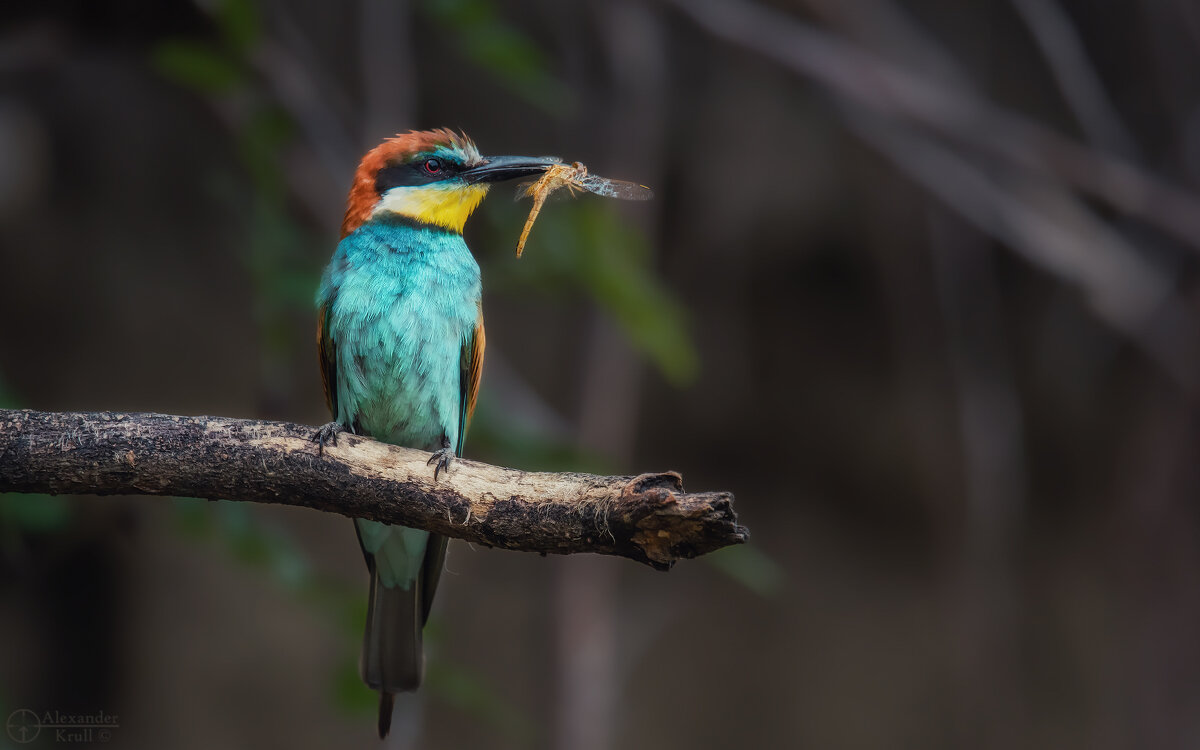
x,y
472,369
328,355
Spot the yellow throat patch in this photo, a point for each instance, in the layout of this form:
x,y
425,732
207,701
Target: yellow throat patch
x,y
441,205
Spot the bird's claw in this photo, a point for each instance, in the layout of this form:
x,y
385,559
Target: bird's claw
x,y
327,434
440,460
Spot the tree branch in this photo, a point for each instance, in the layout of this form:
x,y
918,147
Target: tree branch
x,y
648,518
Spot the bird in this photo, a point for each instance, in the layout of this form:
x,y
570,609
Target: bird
x,y
400,339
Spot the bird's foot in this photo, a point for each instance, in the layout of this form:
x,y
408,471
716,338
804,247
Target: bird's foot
x,y
441,459
327,434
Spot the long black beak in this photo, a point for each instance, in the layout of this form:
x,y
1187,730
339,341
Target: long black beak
x,y
499,168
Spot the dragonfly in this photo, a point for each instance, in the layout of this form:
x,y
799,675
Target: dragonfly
x,y
574,177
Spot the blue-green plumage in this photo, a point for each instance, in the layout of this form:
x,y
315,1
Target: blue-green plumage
x,y
401,302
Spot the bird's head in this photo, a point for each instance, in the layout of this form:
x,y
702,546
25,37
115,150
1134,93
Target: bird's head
x,y
435,177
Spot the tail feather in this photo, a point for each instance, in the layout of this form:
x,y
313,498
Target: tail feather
x,y
386,704
392,659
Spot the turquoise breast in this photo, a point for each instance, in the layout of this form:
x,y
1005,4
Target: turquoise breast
x,y
403,300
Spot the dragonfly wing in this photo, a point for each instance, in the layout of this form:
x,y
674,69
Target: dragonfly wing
x,y
524,189
552,193
628,191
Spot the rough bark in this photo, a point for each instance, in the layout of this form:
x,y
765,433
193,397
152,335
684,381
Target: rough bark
x,y
648,518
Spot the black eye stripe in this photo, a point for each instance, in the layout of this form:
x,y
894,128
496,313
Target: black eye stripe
x,y
413,174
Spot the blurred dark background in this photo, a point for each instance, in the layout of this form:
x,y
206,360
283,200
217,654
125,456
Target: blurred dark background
x,y
919,285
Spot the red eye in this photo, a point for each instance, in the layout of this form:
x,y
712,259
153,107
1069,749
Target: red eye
x,y
432,166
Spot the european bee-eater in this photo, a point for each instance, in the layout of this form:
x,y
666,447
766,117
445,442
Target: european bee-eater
x,y
400,336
